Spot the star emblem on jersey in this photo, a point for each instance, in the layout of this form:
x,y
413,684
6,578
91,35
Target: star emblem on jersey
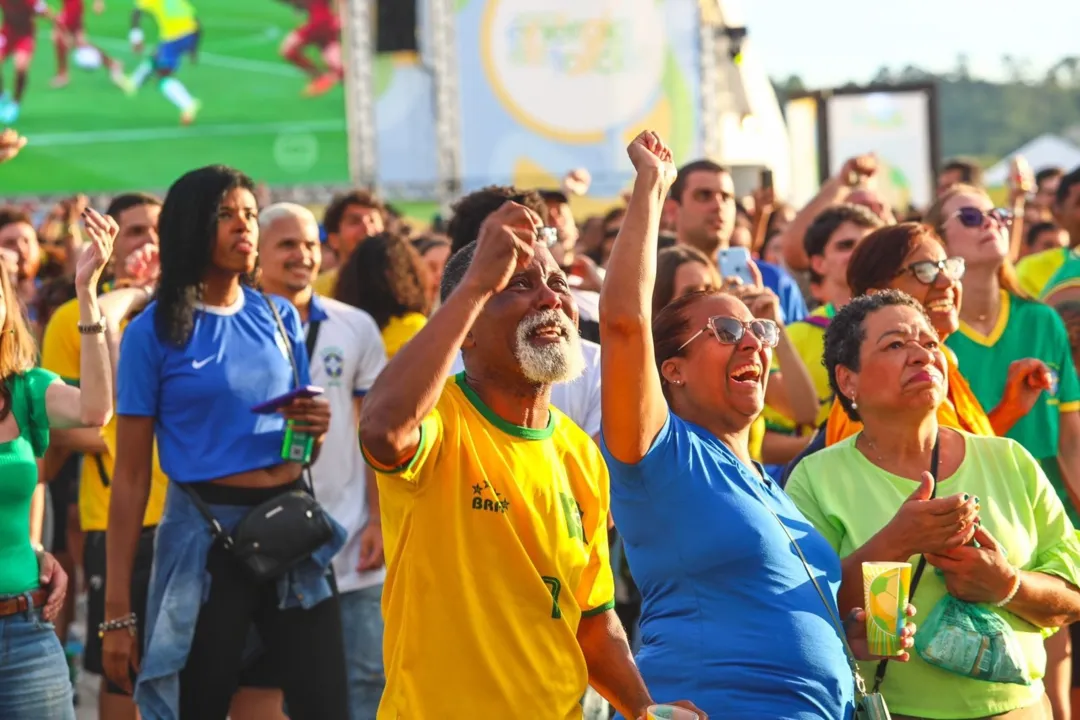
x,y
498,504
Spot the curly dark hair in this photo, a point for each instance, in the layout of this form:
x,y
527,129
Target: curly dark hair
x,y
339,204
847,332
471,211
384,277
187,230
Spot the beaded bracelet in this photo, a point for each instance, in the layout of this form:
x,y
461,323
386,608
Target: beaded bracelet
x,y
1017,582
126,622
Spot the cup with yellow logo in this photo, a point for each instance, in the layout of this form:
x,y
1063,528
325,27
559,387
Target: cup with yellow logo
x,y
885,587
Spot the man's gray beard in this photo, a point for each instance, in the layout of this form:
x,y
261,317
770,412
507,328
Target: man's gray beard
x,y
556,362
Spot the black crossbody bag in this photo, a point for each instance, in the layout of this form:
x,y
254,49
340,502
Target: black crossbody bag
x,y
279,534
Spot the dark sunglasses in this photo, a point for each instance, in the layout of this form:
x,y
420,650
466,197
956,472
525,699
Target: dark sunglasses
x,y
973,217
730,331
928,271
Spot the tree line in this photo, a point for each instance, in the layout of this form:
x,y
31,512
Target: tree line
x,y
984,119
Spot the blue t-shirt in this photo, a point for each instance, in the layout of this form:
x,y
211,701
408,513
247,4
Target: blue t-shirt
x,y
779,280
729,618
201,395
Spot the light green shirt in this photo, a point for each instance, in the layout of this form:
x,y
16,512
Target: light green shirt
x,y
849,499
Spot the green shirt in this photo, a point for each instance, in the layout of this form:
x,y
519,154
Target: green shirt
x,y
1025,329
1068,275
19,477
849,499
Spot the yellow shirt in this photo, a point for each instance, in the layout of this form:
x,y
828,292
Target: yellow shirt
x,y
326,283
809,341
496,546
175,18
60,353
400,330
1035,271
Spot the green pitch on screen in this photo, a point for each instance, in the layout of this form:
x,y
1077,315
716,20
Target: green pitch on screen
x,y
91,137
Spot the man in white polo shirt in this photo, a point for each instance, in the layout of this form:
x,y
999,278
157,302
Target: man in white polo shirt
x,y
346,354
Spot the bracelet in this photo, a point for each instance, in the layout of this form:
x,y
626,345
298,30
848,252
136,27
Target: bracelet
x,y
1017,582
97,328
126,622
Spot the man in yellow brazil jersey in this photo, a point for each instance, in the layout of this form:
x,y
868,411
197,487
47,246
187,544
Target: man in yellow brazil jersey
x,y
178,35
498,599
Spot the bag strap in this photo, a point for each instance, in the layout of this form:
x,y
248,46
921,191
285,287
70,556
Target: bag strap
x,y
312,337
879,674
216,529
860,684
295,371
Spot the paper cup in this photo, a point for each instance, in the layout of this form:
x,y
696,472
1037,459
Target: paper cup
x,y
885,588
670,712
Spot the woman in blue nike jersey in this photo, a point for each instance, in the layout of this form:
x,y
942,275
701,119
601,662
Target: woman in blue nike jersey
x,y
191,367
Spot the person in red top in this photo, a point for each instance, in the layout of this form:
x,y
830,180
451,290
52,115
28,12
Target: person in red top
x,y
17,41
70,31
323,30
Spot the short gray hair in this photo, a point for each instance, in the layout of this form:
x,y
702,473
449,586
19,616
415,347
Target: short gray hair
x,y
455,270
278,211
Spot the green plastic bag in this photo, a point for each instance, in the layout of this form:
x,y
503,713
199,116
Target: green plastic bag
x,y
972,641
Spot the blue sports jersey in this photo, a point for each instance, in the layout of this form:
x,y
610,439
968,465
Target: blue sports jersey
x,y
779,280
201,395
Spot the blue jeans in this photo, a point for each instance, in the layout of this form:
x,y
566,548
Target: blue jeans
x,y
362,625
34,680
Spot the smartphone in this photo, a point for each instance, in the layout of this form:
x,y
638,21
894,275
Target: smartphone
x,y
272,406
735,262
766,179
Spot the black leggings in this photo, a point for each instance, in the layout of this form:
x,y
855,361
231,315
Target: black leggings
x,y
302,648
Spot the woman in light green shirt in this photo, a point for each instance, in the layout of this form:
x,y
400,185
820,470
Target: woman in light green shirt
x,y
873,499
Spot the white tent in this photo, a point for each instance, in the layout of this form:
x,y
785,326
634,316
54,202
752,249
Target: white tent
x,y
1044,151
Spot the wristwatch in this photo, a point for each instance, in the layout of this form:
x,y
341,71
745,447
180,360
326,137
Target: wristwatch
x,y
97,328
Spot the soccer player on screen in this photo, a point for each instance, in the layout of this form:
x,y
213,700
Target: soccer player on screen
x,y
69,32
17,43
323,30
178,35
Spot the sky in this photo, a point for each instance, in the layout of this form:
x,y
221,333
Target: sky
x,y
831,42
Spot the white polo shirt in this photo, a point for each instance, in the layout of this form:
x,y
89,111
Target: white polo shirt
x,y
349,355
578,399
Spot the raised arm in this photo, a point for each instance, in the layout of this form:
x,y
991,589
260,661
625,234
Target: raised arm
x,y
91,404
408,388
835,191
633,405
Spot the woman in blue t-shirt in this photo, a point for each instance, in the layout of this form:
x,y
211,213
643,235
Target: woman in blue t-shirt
x,y
192,366
730,616
34,680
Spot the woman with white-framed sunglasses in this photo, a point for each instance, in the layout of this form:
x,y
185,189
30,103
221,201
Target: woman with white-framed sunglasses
x,y
709,537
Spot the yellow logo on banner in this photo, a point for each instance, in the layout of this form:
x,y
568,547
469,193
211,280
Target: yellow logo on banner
x,y
572,70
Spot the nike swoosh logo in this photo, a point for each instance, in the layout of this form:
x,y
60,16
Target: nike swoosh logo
x,y
199,364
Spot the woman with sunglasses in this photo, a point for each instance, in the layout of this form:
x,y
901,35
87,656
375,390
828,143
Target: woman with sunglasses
x,y
729,613
1003,335
910,257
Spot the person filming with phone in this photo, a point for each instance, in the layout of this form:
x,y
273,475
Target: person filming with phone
x,y
243,551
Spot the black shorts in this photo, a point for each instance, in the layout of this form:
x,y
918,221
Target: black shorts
x,y
64,492
1074,633
94,564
